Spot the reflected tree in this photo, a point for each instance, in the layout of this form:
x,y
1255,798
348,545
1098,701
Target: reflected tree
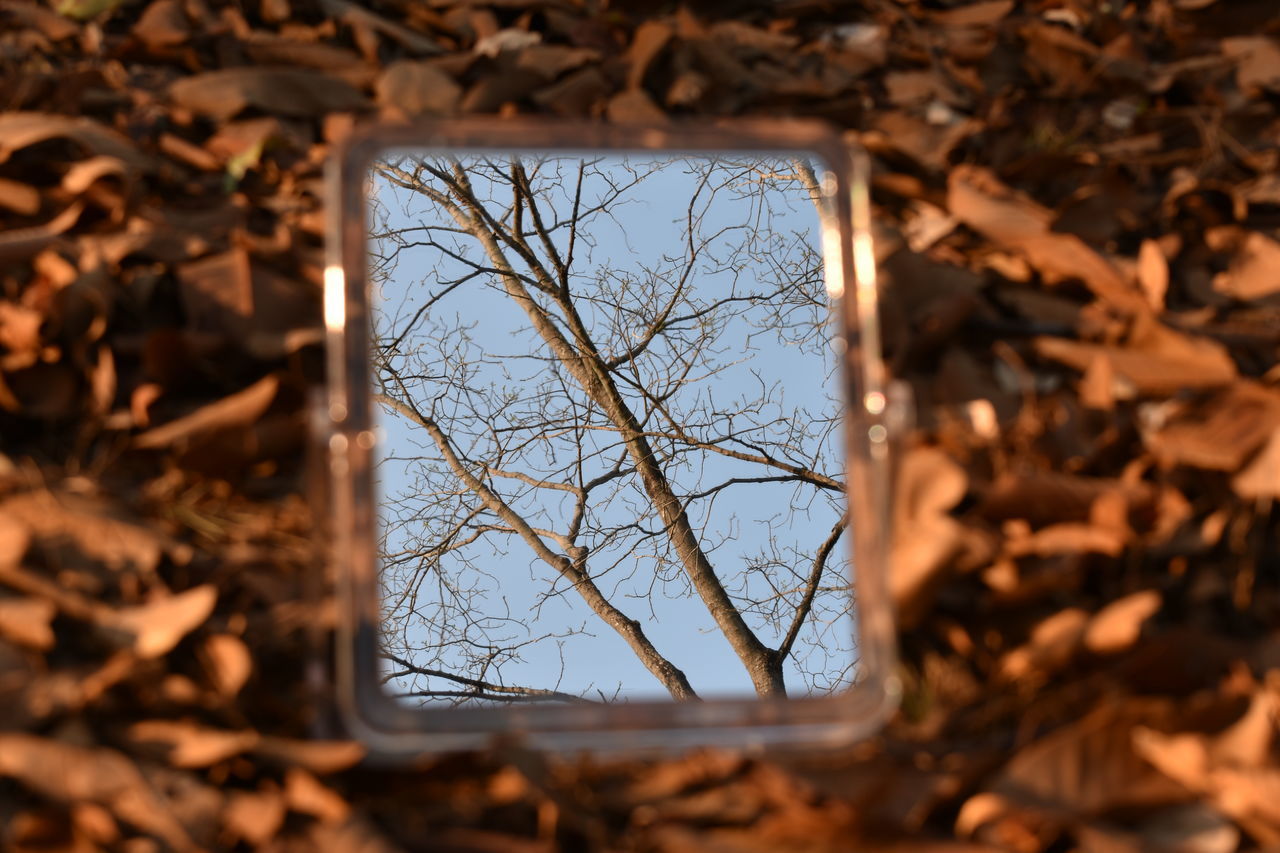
x,y
586,368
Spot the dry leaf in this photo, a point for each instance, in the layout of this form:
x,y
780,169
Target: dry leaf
x,y
417,89
240,409
1258,61
928,485
318,756
980,200
18,197
1117,626
74,529
1153,273
192,745
27,621
1090,764
20,130
228,661
1051,645
634,106
1260,479
300,92
255,816
304,793
66,773
159,626
1223,432
1254,272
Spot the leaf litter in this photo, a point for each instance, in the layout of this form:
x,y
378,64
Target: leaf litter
x,y
1078,212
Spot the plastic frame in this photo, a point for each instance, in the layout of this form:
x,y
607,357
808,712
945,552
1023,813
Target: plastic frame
x,y
394,731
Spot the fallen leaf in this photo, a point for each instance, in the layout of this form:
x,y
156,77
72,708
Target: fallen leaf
x,y
1221,433
417,89
27,621
1091,764
160,625
255,816
228,661
980,200
76,529
162,24
20,243
20,130
300,92
192,745
1260,479
928,484
634,106
646,44
1051,645
66,773
304,793
318,756
19,197
1254,272
237,410
1258,61
1153,273
1206,365
1117,626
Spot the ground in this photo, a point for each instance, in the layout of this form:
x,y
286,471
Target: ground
x,y
1077,210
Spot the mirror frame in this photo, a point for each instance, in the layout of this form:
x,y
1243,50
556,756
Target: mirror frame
x,y
392,730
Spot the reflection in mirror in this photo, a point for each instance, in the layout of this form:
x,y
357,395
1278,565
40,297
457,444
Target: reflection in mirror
x,y
609,456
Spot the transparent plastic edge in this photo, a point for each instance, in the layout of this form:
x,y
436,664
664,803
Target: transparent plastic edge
x,y
395,734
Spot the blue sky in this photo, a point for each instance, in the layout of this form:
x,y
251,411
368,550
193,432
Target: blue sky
x,y
761,369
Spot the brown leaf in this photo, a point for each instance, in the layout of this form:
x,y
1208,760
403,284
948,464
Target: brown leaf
x,y
20,130
929,483
300,92
162,24
1258,61
647,42
1090,765
192,745
1201,364
66,773
1069,538
15,538
634,106
1153,273
304,793
318,756
255,816
19,335
1221,433
1050,647
1117,626
228,661
1260,479
27,621
240,409
159,626
72,529
417,89
980,200
21,243
18,197
1254,272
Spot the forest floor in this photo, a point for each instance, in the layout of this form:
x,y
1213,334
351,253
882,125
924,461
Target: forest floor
x,y
1078,208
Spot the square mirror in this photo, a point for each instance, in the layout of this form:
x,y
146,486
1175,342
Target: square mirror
x,y
607,443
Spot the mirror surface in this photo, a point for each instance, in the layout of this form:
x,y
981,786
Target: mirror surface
x,y
610,430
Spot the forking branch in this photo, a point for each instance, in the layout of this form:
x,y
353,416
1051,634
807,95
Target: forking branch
x,y
615,449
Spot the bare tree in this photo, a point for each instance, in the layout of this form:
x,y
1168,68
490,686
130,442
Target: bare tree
x,y
588,368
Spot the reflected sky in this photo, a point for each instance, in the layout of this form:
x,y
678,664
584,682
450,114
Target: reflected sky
x,y
692,289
